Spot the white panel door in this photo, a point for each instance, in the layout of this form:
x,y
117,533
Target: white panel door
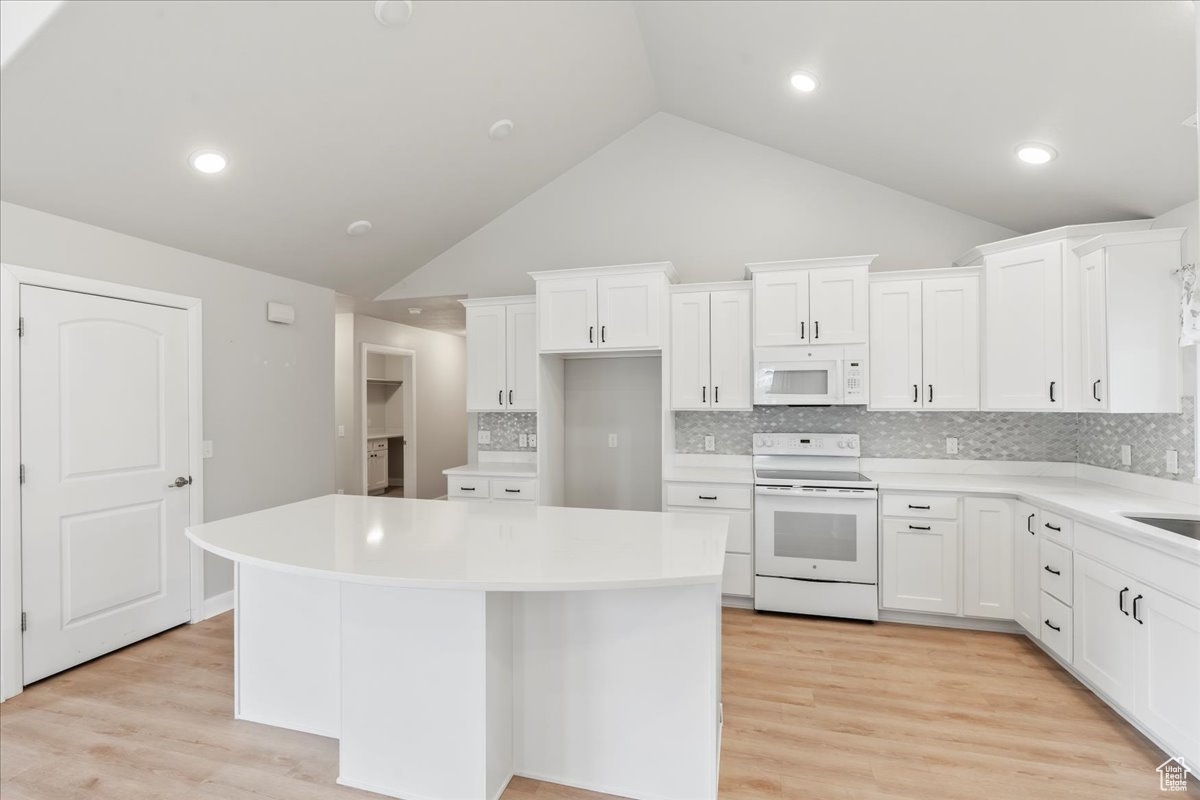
x,y
987,557
1024,335
486,355
1026,566
1166,634
895,361
950,336
837,303
521,356
1104,635
919,565
690,351
1094,333
730,348
781,307
566,314
104,435
630,310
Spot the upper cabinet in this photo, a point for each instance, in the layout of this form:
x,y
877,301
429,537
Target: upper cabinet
x,y
816,301
1129,324
605,308
710,347
501,354
925,341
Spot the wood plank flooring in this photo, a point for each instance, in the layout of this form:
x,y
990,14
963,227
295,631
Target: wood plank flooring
x,y
813,709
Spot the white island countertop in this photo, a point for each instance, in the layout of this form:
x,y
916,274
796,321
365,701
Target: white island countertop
x,y
495,469
434,544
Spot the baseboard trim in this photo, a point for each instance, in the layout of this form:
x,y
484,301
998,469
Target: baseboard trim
x,y
217,604
736,601
940,621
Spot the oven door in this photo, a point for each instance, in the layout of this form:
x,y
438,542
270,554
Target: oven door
x,y
816,534
798,383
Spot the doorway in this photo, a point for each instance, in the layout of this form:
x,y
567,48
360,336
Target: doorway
x,y
388,421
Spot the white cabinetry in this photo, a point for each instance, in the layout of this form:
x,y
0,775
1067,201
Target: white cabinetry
x,y
735,501
1130,355
710,347
816,301
919,562
501,354
496,488
988,557
925,343
1103,639
603,308
1026,566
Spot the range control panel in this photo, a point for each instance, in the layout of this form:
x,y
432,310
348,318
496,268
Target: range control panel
x,y
806,444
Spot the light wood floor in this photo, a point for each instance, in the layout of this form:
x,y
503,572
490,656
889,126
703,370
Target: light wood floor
x,y
813,709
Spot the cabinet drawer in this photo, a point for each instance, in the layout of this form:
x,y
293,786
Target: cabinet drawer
x,y
921,506
1056,527
1056,626
710,495
1054,570
514,489
740,538
738,577
464,486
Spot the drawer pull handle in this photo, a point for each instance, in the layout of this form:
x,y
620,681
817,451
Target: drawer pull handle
x,y
918,508
1054,528
918,527
707,496
1121,600
916,394
1051,570
1051,625
1135,610
513,491
467,488
1029,525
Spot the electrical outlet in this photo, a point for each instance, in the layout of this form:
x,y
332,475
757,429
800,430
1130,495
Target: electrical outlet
x,y
484,437
533,440
341,491
1126,455
1173,462
341,431
612,440
206,448
710,443
951,446
522,440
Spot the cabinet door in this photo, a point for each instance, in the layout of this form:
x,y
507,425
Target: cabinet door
x,y
566,314
486,380
729,313
895,361
1026,563
521,357
919,565
950,336
1103,650
690,350
1094,334
1167,670
988,557
781,308
1023,333
838,305
630,310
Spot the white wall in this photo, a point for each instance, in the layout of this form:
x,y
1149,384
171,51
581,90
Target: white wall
x,y
268,402
441,400
708,201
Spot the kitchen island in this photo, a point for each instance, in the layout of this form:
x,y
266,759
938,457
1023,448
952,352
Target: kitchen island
x,y
450,646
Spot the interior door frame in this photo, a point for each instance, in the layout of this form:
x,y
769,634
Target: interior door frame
x,y
12,277
410,413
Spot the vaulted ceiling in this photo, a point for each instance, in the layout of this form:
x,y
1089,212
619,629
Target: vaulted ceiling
x,y
329,117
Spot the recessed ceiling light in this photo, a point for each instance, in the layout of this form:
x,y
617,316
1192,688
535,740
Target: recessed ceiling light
x,y
415,310
209,162
358,227
804,81
1034,153
500,129
393,13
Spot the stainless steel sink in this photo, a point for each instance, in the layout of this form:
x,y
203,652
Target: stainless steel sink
x,y
1184,526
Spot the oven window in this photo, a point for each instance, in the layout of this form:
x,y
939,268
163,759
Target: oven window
x,y
814,382
822,537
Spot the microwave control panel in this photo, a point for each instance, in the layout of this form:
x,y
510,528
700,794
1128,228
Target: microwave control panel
x,y
855,381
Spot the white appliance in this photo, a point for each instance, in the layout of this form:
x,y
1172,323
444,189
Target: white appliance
x,y
815,526
817,375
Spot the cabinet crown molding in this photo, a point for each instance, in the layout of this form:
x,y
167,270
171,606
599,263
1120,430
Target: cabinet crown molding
x,y
810,263
976,254
716,286
665,267
930,273
508,300
1131,237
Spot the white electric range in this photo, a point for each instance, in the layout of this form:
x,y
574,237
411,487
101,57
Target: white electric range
x,y
816,525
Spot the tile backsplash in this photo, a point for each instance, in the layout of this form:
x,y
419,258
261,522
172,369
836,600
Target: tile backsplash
x,y
506,428
982,435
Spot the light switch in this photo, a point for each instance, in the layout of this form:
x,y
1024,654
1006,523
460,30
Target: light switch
x,y
951,445
341,431
206,448
1126,455
484,437
1173,462
612,440
710,443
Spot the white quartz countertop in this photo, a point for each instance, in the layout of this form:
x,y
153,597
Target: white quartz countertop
x,y
495,469
1097,504
709,474
434,544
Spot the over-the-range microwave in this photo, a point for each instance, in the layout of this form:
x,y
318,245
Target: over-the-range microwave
x,y
818,375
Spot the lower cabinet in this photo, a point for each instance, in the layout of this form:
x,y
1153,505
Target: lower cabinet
x,y
488,488
1027,593
987,557
919,565
734,501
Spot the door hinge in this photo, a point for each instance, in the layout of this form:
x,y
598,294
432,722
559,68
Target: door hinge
x,y
22,473
20,326
24,622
